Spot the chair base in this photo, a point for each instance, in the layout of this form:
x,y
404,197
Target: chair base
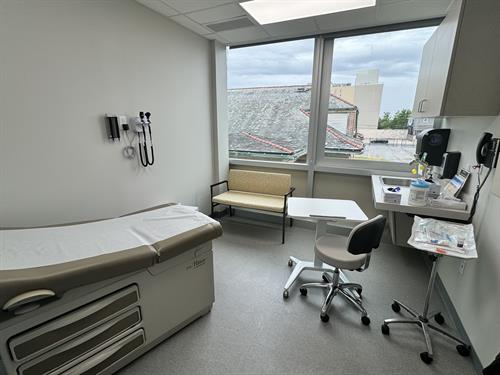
x,y
423,319
350,291
416,319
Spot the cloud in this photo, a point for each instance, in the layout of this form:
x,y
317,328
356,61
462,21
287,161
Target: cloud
x,y
396,55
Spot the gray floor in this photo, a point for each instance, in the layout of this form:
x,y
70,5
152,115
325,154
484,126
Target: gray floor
x,y
252,330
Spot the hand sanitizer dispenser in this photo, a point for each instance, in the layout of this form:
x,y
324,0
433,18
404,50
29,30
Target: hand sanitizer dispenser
x,y
432,143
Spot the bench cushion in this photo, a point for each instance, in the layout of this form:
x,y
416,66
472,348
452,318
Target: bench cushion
x,y
244,199
259,182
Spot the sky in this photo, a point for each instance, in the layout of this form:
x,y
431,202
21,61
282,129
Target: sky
x,y
395,54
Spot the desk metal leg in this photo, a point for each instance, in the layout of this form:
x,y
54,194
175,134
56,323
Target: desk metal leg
x,y
423,320
300,266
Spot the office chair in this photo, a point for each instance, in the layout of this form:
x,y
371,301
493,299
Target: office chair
x,y
345,253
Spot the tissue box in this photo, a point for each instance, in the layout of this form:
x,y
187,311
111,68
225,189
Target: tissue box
x,y
391,196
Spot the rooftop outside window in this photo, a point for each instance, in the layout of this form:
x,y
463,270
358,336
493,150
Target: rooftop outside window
x,y
269,98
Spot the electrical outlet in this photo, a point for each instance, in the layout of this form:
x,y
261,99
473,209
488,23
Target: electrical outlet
x,y
461,268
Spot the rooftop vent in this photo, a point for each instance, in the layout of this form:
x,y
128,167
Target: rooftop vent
x,y
230,25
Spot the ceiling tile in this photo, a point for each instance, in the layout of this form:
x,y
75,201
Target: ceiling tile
x,y
220,13
302,26
347,20
244,35
215,36
184,6
159,6
191,25
411,10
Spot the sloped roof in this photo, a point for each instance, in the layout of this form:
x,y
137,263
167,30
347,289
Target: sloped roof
x,y
275,120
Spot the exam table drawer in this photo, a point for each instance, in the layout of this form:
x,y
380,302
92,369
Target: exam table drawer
x,y
66,327
82,346
98,363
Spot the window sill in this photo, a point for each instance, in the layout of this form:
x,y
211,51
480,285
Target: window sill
x,y
269,164
362,169
359,171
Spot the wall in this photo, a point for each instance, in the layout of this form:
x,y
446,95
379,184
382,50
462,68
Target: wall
x,y
476,293
63,65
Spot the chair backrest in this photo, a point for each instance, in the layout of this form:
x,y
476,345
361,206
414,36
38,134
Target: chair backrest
x,y
259,182
366,236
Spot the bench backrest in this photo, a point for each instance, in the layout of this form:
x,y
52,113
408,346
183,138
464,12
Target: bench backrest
x,y
259,182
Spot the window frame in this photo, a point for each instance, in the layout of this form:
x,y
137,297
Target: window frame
x,y
317,161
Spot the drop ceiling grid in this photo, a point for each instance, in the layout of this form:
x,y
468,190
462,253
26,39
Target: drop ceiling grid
x,y
195,14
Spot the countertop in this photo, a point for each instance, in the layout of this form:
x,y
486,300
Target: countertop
x,y
444,213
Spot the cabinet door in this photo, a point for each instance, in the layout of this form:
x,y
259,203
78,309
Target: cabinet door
x,y
423,76
445,36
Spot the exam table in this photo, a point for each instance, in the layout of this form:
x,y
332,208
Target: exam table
x,y
90,298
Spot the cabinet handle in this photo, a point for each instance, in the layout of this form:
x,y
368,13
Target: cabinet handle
x,y
422,105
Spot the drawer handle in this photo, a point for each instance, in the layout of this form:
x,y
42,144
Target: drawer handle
x,y
27,298
101,357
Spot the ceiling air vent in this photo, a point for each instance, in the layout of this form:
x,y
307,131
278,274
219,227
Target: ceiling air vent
x,y
230,25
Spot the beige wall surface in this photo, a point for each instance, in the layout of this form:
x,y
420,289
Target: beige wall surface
x,y
63,65
476,293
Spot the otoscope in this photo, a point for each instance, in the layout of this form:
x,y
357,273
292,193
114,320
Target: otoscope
x,y
143,152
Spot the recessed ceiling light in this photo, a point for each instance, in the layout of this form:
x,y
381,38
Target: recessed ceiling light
x,y
271,11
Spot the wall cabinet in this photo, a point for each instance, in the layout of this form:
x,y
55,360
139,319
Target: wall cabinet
x,y
460,67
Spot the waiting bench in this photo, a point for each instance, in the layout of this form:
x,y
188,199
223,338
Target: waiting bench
x,y
256,190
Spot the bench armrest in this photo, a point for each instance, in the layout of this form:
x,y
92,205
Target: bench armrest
x,y
217,184
289,194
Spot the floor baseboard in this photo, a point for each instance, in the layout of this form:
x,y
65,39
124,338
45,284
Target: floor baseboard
x,y
452,313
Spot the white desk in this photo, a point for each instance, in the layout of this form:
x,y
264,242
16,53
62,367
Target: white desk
x,y
423,320
315,209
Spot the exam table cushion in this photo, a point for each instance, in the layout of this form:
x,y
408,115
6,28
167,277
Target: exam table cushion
x,y
64,257
332,250
256,201
62,277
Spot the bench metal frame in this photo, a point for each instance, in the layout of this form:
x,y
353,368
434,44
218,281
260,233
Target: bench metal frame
x,y
284,213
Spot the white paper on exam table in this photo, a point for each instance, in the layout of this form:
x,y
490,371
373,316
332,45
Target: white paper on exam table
x,y
431,235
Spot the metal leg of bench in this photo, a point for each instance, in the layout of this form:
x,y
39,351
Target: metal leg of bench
x,y
230,210
283,229
291,222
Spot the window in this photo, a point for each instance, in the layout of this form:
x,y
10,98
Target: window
x,y
269,99
372,88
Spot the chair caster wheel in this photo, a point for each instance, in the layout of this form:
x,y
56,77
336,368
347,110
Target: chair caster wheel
x,y
285,294
290,263
439,319
395,307
324,318
303,291
463,350
365,320
425,357
385,329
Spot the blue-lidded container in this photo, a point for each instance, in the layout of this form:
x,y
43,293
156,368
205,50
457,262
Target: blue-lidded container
x,y
418,193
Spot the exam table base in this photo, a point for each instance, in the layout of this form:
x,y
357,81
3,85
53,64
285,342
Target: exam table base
x,y
423,320
301,265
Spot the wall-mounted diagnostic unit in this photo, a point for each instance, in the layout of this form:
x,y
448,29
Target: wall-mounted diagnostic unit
x,y
112,127
141,129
